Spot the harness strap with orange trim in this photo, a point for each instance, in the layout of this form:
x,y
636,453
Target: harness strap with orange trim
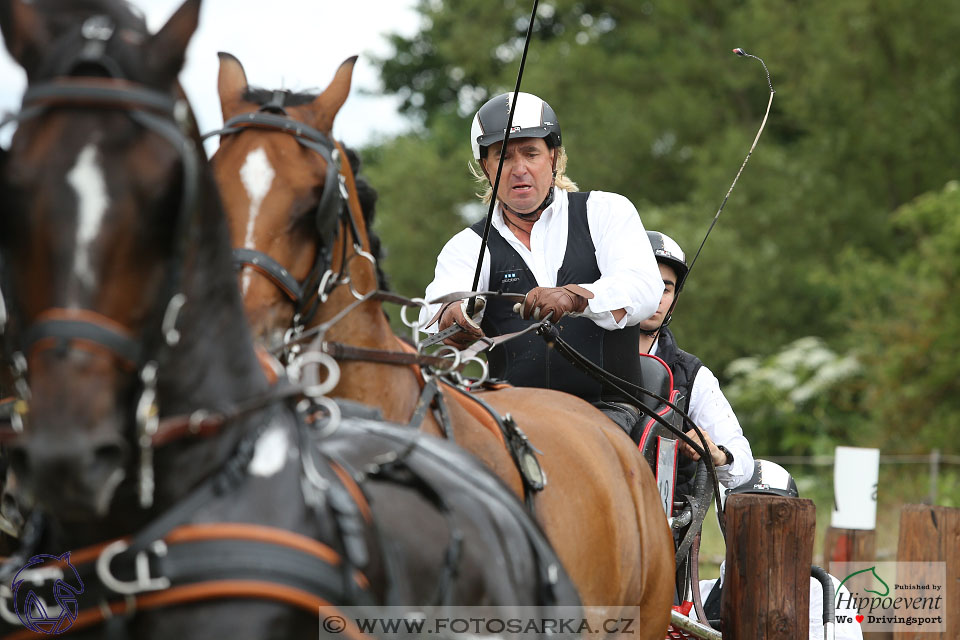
x,y
192,563
168,562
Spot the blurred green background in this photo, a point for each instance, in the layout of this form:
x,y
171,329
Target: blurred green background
x,y
825,298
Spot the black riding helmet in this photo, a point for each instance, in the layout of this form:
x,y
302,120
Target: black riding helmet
x,y
533,118
667,251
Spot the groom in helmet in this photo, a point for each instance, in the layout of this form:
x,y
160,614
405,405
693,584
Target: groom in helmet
x,y
580,258
702,399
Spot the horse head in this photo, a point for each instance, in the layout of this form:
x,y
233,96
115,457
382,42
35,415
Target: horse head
x,y
285,184
106,206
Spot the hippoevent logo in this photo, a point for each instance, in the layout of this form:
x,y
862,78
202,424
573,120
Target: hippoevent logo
x,y
892,596
42,579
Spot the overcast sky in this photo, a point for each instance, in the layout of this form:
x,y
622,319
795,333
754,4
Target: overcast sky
x,y
293,44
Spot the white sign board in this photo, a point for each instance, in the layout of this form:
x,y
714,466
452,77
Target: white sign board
x,y
855,475
666,471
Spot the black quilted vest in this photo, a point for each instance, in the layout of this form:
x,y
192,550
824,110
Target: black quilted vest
x,y
527,361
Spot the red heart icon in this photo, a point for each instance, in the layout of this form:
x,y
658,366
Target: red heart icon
x,y
859,618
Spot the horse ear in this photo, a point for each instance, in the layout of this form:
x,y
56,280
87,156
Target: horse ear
x,y
328,103
167,48
231,85
24,32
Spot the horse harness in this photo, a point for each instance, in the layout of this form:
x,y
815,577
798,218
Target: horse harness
x,y
169,562
65,328
332,209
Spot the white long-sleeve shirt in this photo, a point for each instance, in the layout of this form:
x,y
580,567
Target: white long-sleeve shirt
x,y
842,630
629,277
711,411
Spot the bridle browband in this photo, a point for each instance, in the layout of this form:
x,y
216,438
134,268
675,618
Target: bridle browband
x,y
332,209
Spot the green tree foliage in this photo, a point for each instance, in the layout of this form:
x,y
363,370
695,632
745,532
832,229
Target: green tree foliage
x,y
654,106
802,400
906,325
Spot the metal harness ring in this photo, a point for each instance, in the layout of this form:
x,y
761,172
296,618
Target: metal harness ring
x,y
317,391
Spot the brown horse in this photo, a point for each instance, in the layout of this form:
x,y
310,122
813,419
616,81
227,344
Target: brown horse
x,y
172,490
600,506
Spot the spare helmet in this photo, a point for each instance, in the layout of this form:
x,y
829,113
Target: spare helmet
x,y
532,118
768,477
667,251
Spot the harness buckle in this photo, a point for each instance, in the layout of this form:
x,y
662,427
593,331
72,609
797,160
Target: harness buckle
x,y
19,370
36,577
148,421
143,581
322,289
169,326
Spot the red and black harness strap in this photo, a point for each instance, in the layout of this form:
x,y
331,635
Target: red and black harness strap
x,y
215,561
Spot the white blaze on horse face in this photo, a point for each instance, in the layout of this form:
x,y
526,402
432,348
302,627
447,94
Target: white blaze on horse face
x,y
257,175
86,178
270,454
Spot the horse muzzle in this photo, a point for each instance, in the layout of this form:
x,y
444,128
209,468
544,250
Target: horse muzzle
x,y
73,478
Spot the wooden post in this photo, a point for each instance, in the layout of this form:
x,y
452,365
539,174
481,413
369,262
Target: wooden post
x,y
932,534
766,588
848,545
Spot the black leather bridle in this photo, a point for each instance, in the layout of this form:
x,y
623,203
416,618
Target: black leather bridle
x,y
333,208
170,118
159,113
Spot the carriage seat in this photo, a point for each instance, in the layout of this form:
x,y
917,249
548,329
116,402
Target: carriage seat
x,y
657,378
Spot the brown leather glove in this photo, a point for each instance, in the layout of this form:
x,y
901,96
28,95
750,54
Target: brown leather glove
x,y
456,312
558,301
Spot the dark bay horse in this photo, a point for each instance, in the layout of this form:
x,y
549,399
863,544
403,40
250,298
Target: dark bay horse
x,y
280,173
151,444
